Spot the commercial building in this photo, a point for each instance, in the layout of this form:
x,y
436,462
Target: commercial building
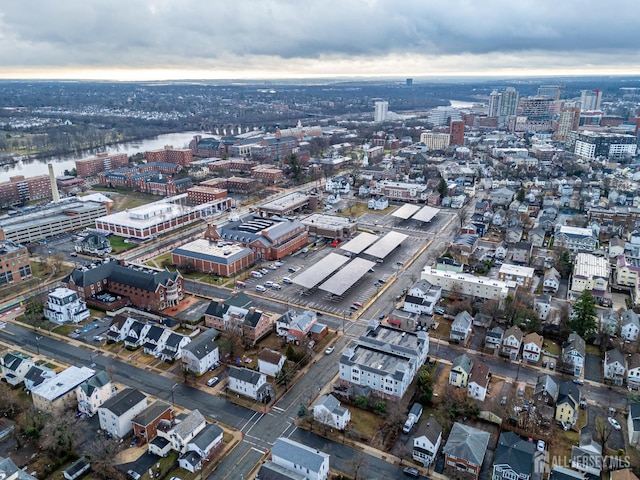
x,y
590,273
384,359
456,132
20,189
286,205
435,140
145,287
168,154
51,220
609,145
381,111
153,219
103,162
481,287
575,238
270,238
330,226
213,257
14,263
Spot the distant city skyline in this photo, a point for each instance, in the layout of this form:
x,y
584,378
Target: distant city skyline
x,y
273,39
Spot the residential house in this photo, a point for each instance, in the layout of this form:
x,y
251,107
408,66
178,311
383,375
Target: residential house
x,y
145,424
36,375
93,392
587,456
536,236
15,366
478,383
177,437
201,447
610,322
426,442
511,342
76,469
58,393
249,383
327,410
615,366
379,202
521,253
465,450
296,326
514,234
270,471
563,473
465,243
270,362
10,471
134,335
568,403
501,251
384,359
152,335
542,305
461,327
117,413
237,314
616,247
629,325
503,196
422,297
575,239
201,354
65,306
514,458
460,371
493,338
633,371
546,391
551,281
573,354
299,458
591,272
172,347
633,423
119,328
532,347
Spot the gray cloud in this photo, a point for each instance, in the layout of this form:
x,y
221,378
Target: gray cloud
x,y
291,34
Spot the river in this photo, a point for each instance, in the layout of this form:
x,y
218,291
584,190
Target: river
x,y
33,167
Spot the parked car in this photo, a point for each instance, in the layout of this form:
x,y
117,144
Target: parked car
x,y
273,266
256,274
268,284
540,445
263,271
133,474
329,350
578,381
552,366
287,280
439,310
260,288
544,364
278,264
98,338
614,423
212,381
411,472
357,304
276,286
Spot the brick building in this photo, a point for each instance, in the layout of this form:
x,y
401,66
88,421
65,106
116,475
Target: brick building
x,y
267,174
233,164
21,189
103,162
145,287
237,314
14,263
204,193
207,147
210,256
269,238
145,424
168,154
233,184
456,132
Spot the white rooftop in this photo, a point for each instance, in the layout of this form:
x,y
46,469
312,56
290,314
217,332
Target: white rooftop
x,y
360,242
347,277
67,380
386,244
426,214
405,211
321,270
590,266
583,232
62,293
517,270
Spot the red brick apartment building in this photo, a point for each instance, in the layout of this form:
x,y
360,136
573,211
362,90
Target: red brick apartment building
x,y
199,194
168,154
20,189
233,164
147,288
267,174
103,162
14,263
145,424
210,256
456,133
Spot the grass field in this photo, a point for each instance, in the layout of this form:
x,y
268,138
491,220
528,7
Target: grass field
x,y
118,244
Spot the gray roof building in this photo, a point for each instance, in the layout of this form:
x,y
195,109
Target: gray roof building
x,y
467,443
299,454
124,401
515,454
203,344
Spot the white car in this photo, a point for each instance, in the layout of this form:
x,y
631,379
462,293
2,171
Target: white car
x,y
273,266
211,382
540,445
329,350
614,423
268,284
260,288
276,286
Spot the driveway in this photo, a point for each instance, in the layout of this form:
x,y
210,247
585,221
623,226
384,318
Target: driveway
x,y
593,368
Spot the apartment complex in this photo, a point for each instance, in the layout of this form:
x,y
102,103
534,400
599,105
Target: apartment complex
x,y
14,263
21,189
608,145
481,287
168,154
202,193
103,162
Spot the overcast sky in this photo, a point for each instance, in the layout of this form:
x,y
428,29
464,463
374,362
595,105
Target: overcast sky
x,y
163,39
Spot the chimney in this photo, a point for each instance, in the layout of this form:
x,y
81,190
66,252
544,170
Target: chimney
x,y
54,185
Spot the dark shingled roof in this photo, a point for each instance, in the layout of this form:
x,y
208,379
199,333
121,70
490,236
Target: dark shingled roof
x,y
147,280
206,436
151,413
203,344
244,375
123,401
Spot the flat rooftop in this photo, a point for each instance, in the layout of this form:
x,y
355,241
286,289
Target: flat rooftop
x,y
312,276
66,380
290,201
426,214
326,221
405,211
386,244
360,243
516,270
220,252
347,277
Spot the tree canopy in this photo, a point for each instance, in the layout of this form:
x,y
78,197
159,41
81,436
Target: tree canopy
x,y
583,318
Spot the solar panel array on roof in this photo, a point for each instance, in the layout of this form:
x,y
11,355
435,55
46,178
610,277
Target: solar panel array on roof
x,y
426,214
360,242
321,270
255,225
405,211
386,244
347,277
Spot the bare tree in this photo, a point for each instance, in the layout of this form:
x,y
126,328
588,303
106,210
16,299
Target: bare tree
x,y
357,463
60,435
101,451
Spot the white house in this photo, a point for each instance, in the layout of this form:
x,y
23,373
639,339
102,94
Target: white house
x,y
201,354
327,410
201,447
633,371
542,305
301,459
629,325
249,383
427,441
94,392
338,185
379,202
511,342
573,354
614,366
65,305
177,438
15,366
117,413
460,371
422,297
461,327
532,347
551,281
633,423
270,362
478,381
58,393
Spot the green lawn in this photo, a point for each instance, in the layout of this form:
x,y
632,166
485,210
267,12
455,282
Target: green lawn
x,y
118,244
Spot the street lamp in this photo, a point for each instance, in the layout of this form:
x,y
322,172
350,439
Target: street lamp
x,y
172,394
38,344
